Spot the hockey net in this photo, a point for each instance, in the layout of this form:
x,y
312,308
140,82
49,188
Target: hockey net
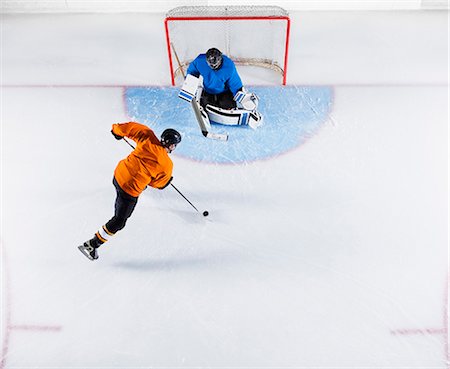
x,y
249,35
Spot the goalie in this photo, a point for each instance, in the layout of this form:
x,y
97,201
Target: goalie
x,y
221,98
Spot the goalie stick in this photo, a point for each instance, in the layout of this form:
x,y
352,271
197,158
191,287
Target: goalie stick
x,y
201,122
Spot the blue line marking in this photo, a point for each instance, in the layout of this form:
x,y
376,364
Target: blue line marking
x,y
292,115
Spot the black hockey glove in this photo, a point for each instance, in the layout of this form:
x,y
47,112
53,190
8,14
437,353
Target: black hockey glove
x,y
117,137
168,182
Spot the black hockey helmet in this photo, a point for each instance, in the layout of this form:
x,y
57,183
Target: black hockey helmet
x,y
214,58
170,137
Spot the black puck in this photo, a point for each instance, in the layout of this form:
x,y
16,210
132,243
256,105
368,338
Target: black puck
x,y
205,213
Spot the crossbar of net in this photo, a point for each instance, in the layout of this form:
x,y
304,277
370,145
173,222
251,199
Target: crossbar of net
x,y
227,11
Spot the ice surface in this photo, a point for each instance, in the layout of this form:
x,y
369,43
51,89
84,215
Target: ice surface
x,y
332,255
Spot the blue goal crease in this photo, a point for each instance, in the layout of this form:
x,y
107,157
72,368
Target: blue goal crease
x,y
292,115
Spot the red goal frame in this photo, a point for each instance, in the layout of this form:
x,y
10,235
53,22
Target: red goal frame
x,y
234,18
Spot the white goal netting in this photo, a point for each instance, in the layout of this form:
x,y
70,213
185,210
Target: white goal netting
x,y
249,35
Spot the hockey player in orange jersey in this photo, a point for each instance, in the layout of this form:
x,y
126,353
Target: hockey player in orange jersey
x,y
148,165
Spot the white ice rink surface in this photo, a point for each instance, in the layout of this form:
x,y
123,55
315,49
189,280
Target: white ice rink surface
x,y
333,255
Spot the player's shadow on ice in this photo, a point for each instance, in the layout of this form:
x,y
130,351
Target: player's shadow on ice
x,y
172,264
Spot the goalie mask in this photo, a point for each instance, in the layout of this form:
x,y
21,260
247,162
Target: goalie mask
x,y
214,58
170,137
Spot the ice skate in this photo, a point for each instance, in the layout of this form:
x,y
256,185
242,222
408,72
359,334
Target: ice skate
x,y
88,250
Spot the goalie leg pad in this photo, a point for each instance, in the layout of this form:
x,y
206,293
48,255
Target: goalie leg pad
x,y
234,117
255,120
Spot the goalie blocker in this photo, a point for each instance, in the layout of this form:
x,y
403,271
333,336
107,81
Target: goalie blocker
x,y
244,115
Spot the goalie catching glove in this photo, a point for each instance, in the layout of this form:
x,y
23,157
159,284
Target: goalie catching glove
x,y
246,100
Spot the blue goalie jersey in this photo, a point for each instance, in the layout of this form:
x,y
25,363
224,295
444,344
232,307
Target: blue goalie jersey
x,y
216,81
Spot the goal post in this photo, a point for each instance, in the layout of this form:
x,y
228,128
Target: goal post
x,y
249,35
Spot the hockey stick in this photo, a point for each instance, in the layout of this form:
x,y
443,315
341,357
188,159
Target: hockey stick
x,y
184,197
178,59
201,123
128,142
205,213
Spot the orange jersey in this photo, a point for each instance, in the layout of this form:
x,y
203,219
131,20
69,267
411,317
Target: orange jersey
x,y
148,164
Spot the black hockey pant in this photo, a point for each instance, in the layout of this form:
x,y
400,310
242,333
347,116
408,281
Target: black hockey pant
x,y
123,209
224,100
